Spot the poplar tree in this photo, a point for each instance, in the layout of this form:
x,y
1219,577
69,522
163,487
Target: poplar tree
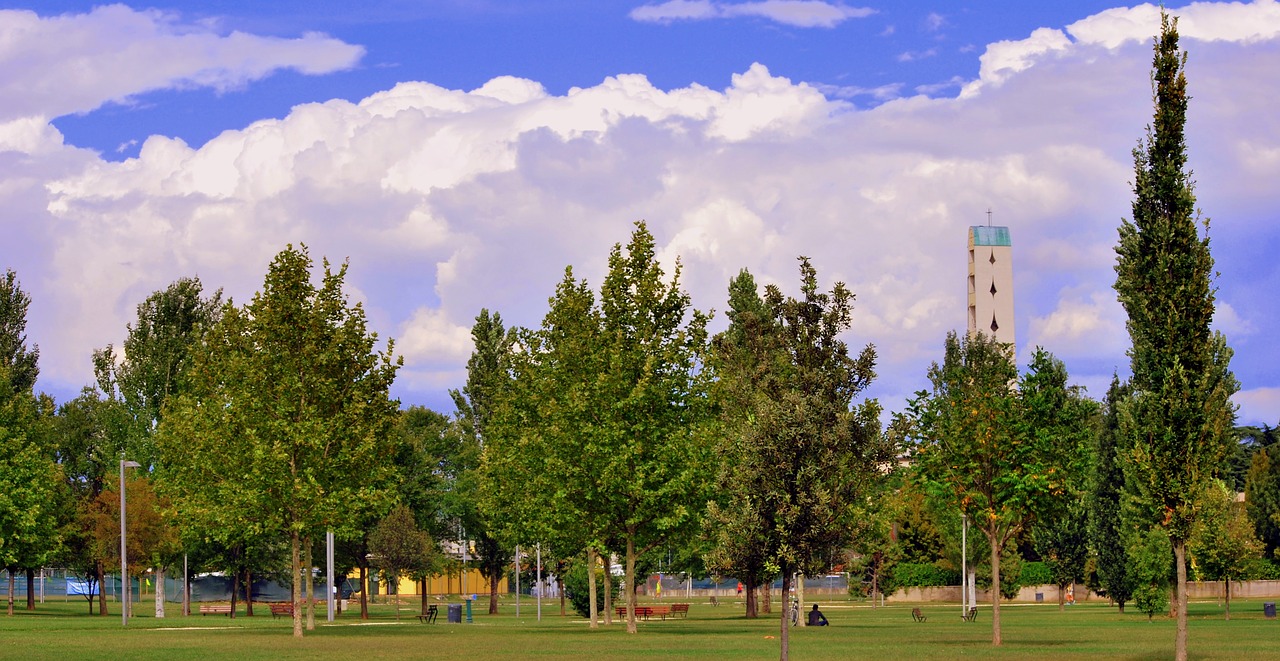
x,y
1107,534
1180,414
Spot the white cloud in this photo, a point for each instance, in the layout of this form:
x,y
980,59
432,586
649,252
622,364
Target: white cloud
x,y
934,22
796,13
447,201
57,65
1258,406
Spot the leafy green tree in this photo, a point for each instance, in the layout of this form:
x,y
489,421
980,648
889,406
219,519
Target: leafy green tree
x,y
21,362
1107,532
1262,501
488,377
1222,541
1062,419
1180,415
805,455
736,525
976,451
287,402
1151,555
400,548
28,482
156,354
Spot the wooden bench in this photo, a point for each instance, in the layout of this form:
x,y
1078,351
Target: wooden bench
x,y
646,612
971,616
215,609
680,609
281,608
714,601
430,616
918,615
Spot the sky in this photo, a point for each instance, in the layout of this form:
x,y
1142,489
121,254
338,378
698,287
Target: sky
x,y
459,154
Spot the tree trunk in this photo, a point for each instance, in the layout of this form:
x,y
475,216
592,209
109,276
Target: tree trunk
x,y
12,582
1180,560
423,591
800,620
493,591
102,588
875,579
591,586
767,591
235,591
560,586
248,592
786,589
1228,587
608,591
995,589
750,590
311,588
31,589
629,585
1062,598
159,593
295,590
364,592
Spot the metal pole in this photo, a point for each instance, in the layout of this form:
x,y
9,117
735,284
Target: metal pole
x,y
186,588
517,581
328,556
964,565
539,583
124,563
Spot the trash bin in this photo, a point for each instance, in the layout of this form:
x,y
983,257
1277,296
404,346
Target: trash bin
x,y
1039,597
455,613
1269,609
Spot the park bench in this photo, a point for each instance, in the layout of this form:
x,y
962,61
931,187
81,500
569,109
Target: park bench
x,y
918,615
430,615
971,616
680,609
281,608
215,609
646,612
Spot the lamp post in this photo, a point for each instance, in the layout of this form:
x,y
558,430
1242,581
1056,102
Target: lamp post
x,y
124,562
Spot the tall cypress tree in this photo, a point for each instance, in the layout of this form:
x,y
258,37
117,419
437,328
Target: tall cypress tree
x,y
1180,413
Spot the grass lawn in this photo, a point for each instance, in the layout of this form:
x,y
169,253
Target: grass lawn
x,y
60,630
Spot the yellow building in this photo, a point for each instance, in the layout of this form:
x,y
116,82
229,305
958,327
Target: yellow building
x,y
444,584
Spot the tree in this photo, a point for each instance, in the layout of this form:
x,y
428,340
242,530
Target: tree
x,y
1151,555
1262,501
1107,532
21,363
1061,419
977,452
1222,541
488,376
287,402
399,548
1180,414
28,479
804,454
736,524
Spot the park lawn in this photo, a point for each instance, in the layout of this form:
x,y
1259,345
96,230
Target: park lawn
x,y
1093,631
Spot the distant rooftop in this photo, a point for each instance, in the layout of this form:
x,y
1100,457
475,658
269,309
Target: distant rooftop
x,y
985,235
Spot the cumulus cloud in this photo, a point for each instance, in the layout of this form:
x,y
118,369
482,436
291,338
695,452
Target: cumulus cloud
x,y
448,201
796,13
57,65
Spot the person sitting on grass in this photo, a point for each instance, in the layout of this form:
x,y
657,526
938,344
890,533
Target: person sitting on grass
x,y
816,618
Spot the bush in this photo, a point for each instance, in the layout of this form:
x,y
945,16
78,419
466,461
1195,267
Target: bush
x,y
920,574
1035,573
576,588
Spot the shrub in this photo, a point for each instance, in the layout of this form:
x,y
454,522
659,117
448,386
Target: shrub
x,y
576,588
1035,573
921,574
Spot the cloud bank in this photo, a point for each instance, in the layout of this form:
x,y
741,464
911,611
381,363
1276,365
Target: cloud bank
x,y
448,201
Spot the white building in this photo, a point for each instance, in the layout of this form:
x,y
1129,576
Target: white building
x,y
991,282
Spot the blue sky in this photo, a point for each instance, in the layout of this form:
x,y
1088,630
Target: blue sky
x,y
461,154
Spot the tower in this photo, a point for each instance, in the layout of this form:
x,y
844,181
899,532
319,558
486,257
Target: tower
x,y
991,282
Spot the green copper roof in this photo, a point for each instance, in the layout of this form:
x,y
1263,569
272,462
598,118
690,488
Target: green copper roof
x,y
985,235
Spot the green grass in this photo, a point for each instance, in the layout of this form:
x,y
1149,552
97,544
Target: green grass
x,y
58,630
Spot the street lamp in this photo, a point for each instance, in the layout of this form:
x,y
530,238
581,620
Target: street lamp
x,y
124,562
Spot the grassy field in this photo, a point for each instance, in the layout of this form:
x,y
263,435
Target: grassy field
x,y
63,631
